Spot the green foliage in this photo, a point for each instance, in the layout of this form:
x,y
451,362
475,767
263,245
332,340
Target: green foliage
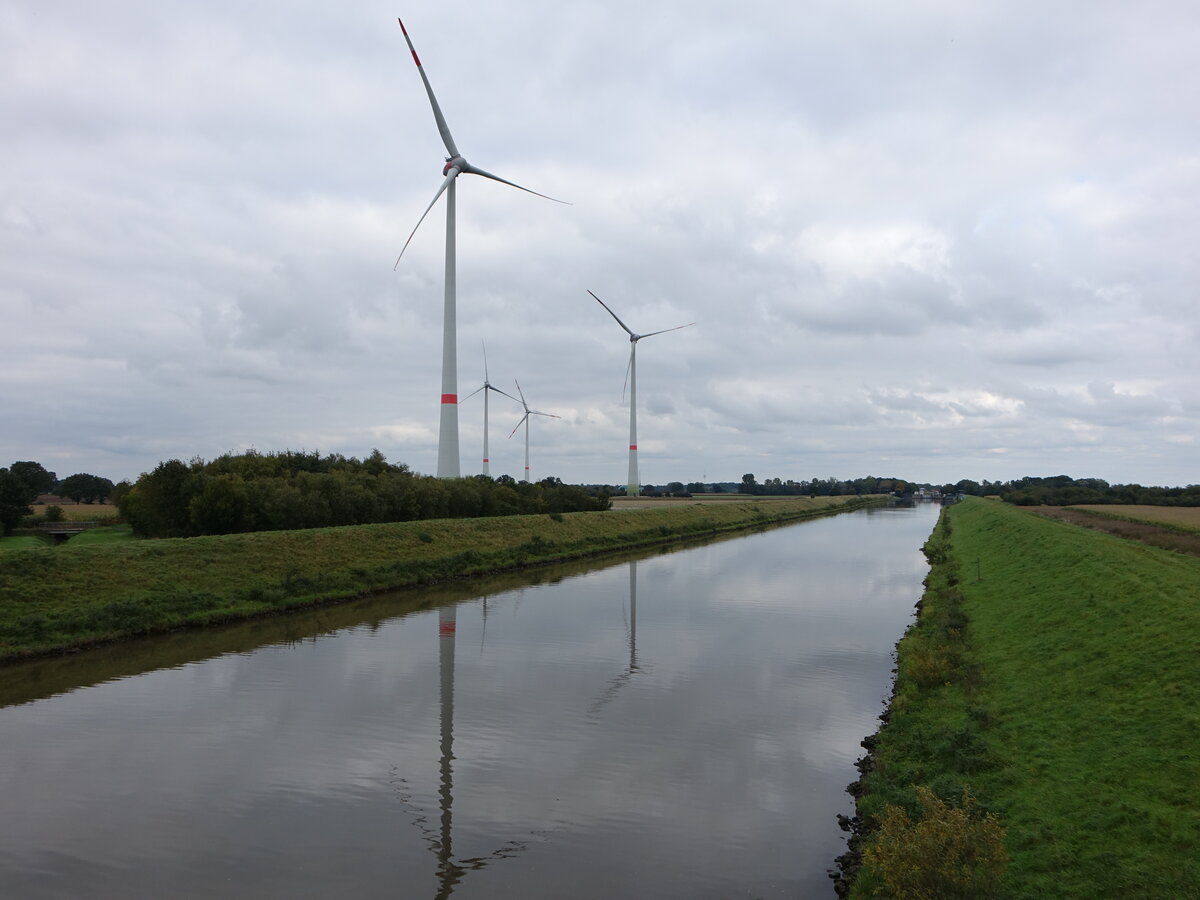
x,y
54,513
289,490
15,497
85,488
36,478
1062,490
946,852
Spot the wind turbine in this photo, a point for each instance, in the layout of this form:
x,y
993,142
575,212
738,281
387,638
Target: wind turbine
x,y
525,420
632,485
485,387
448,461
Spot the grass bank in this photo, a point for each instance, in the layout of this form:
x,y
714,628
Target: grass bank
x,y
1052,673
58,598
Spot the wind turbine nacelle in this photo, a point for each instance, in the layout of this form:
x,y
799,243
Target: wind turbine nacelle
x,y
456,162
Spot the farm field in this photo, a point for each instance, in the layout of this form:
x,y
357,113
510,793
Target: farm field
x,y
81,512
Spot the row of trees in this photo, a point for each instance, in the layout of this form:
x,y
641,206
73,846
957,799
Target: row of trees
x,y
822,487
276,491
24,480
1063,490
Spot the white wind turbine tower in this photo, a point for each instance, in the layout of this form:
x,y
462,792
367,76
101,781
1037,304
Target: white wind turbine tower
x,y
525,420
485,387
448,460
632,485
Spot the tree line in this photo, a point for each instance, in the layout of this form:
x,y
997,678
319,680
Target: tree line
x,y
24,480
294,489
1063,490
812,487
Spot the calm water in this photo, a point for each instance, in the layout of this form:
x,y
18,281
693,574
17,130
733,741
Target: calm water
x,y
679,725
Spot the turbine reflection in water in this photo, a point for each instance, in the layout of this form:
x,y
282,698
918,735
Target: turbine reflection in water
x,y
614,687
450,871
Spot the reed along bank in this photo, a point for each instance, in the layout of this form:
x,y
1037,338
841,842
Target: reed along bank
x,y
1042,736
60,598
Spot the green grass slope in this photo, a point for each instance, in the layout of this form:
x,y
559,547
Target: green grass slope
x,y
53,598
1065,691
1089,648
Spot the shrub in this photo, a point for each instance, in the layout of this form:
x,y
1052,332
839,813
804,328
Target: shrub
x,y
54,513
947,852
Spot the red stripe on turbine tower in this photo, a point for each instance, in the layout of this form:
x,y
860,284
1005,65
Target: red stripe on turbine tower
x,y
450,398
445,629
633,446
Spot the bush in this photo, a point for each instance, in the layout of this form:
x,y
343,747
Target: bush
x,y
54,514
947,852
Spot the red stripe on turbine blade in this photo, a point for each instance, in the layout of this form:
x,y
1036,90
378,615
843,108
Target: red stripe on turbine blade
x,y
449,398
416,59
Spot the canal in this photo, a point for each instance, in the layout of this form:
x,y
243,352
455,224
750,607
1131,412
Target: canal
x,y
676,724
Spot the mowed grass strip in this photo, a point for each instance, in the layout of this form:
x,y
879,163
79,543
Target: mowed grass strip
x,y
54,598
1091,679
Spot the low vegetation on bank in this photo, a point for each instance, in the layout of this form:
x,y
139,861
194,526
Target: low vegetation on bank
x,y
55,598
1043,722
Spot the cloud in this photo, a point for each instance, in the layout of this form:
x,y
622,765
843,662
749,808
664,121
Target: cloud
x,y
910,240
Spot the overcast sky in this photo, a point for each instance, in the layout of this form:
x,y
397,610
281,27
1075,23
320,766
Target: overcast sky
x,y
931,240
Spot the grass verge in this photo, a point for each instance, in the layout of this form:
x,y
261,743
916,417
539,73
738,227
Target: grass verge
x,y
59,598
1065,698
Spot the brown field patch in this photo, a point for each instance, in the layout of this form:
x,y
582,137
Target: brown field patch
x,y
80,512
1180,516
1165,536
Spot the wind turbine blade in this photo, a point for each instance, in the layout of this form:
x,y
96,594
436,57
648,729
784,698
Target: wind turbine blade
x,y
523,403
492,387
536,412
473,393
665,330
475,170
485,371
437,110
519,424
445,184
628,366
613,314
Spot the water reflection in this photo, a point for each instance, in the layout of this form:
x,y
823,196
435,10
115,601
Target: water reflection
x,y
702,737
614,687
450,871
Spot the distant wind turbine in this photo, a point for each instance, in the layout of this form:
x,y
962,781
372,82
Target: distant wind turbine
x,y
448,459
632,485
485,387
525,420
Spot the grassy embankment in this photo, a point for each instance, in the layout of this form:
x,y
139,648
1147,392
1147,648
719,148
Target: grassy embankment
x,y
55,598
1053,670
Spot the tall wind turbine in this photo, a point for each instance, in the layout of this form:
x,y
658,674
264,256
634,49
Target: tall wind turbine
x,y
525,420
485,387
632,485
448,461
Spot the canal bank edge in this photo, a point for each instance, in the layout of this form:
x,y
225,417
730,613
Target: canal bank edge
x,y
1051,673
54,600
928,707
